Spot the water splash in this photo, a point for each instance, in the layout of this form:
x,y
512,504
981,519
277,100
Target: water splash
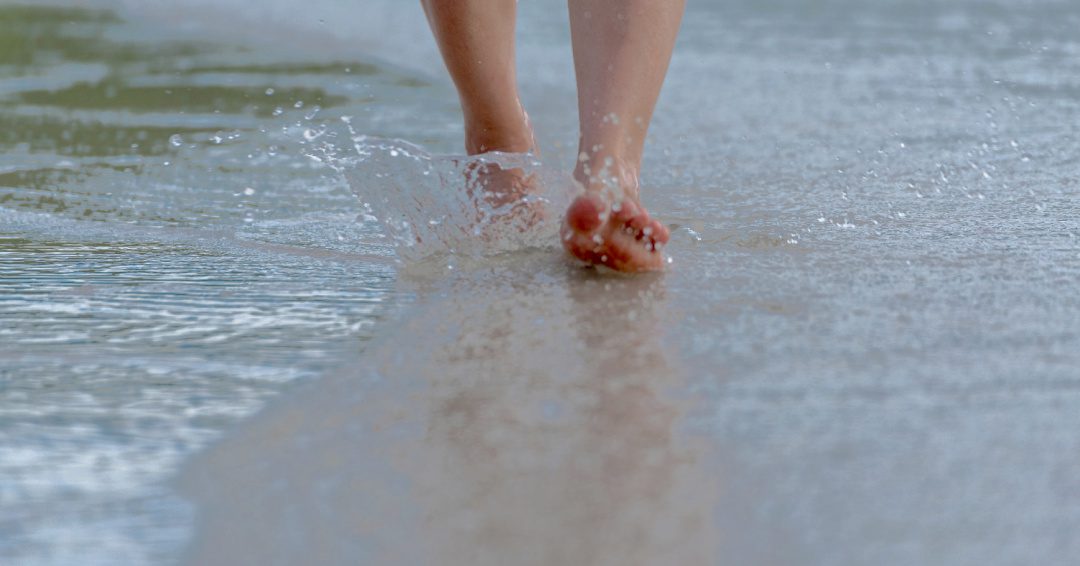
x,y
434,206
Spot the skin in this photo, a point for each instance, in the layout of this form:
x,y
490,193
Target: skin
x,y
621,53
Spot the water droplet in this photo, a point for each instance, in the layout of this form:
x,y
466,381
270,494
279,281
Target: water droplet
x,y
299,104
249,191
278,111
176,140
270,92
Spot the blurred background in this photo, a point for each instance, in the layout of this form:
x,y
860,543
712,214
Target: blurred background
x,y
872,299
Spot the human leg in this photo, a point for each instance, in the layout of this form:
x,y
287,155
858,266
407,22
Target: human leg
x,y
621,53
476,39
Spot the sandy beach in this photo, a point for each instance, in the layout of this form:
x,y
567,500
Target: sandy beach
x,y
217,348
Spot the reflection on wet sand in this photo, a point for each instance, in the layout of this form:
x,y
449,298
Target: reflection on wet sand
x,y
530,422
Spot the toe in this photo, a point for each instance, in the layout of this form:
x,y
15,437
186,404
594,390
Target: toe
x,y
626,211
586,214
659,232
638,222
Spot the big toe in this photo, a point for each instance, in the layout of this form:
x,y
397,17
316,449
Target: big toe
x,y
586,214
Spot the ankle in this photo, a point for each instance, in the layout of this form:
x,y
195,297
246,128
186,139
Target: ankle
x,y
512,134
611,175
508,142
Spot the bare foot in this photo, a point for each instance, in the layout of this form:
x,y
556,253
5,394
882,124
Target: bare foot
x,y
622,237
498,186
501,193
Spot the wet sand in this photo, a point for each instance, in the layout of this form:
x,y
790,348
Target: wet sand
x,y
532,417
865,351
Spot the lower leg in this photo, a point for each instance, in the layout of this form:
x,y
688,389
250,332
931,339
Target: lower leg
x,y
476,39
621,53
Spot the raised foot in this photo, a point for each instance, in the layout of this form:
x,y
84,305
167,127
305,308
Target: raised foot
x,y
622,237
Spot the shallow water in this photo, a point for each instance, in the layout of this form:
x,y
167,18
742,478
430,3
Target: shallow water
x,y
865,350
169,259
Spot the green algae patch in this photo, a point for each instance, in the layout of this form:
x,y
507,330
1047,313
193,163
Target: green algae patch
x,y
336,68
115,94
